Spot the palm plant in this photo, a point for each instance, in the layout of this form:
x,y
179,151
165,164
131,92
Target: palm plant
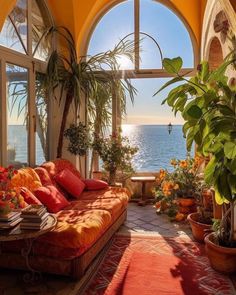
x,y
86,78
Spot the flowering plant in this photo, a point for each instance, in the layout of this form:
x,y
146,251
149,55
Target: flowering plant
x,y
116,154
183,182
9,198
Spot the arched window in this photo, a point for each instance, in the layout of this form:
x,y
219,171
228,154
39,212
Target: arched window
x,y
23,55
155,29
158,31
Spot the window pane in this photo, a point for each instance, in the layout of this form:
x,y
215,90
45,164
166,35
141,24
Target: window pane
x,y
41,121
40,46
111,29
9,37
169,32
146,125
17,114
19,19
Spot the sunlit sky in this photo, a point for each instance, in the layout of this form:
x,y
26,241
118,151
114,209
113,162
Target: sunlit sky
x,y
171,35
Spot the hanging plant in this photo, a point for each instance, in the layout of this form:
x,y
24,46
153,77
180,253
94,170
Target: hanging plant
x,y
79,139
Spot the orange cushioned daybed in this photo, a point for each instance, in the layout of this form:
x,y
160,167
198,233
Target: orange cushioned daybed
x,y
85,223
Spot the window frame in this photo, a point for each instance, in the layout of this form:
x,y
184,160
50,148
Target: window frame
x,y
33,65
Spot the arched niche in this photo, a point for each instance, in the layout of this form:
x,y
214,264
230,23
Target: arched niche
x,y
215,57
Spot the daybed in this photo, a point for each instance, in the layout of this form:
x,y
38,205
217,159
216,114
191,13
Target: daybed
x,y
84,226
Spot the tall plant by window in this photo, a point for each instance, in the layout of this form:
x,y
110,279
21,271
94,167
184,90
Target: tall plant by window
x,y
79,78
207,103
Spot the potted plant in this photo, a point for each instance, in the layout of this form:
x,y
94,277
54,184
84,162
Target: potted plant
x,y
201,221
208,105
74,79
10,199
116,154
177,191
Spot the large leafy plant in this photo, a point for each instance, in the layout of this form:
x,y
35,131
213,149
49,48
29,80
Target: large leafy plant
x,y
75,79
207,103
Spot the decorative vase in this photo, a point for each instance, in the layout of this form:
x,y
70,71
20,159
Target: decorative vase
x,y
199,230
222,259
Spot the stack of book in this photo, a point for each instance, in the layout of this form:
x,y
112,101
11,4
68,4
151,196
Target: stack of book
x,y
34,217
9,220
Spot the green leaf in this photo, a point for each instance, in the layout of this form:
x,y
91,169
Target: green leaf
x,y
223,185
173,65
195,112
230,150
204,73
232,183
231,165
185,128
172,81
219,198
209,171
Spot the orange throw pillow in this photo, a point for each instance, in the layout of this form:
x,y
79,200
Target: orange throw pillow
x,y
51,198
94,184
29,197
71,183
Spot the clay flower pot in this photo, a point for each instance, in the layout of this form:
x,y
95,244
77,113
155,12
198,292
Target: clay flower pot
x,y
199,230
222,259
186,202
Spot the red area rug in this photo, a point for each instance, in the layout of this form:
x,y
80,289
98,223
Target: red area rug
x,y
150,265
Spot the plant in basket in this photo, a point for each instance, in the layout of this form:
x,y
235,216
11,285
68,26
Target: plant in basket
x,y
10,199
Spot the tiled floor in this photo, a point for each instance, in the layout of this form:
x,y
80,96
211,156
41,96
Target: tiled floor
x,y
145,219
139,220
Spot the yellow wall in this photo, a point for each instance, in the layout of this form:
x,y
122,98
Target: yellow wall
x,y
79,15
6,7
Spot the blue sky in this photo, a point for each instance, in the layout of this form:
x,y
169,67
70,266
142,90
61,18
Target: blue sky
x,y
166,28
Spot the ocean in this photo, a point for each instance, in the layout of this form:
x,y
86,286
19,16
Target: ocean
x,y
156,146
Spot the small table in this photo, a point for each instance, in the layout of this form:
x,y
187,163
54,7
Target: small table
x,y
16,233
143,180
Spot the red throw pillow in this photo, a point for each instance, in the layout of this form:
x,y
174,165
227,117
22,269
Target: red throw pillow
x,y
29,197
51,198
94,184
71,183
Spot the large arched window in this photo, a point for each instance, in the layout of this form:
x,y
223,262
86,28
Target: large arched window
x,y
23,55
158,31
155,29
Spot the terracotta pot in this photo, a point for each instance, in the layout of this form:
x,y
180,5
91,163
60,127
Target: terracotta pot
x,y
199,230
217,209
222,259
207,197
186,202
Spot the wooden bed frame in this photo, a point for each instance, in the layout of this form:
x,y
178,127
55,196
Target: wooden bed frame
x,y
74,268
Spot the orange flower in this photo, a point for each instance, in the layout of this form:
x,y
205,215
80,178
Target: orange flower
x,y
173,162
183,164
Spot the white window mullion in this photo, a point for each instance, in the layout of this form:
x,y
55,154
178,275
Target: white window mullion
x,y
3,111
31,118
136,34
29,28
